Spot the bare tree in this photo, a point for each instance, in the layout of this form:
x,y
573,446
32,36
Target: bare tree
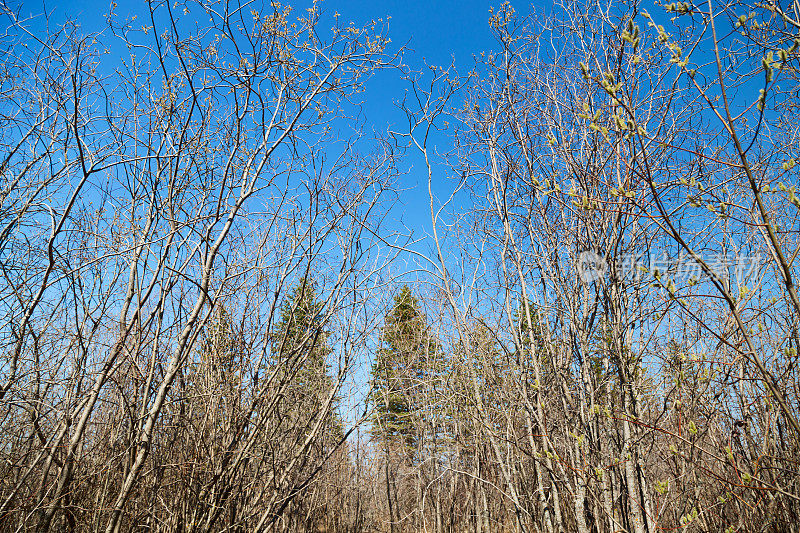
x,y
204,170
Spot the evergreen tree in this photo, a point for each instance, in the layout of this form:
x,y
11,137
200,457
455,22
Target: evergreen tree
x,y
527,330
217,370
400,370
300,344
300,349
219,347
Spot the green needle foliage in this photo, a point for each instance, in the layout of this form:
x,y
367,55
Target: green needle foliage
x,y
300,344
400,372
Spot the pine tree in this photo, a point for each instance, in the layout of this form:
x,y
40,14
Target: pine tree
x,y
219,347
300,339
301,349
400,369
217,371
300,345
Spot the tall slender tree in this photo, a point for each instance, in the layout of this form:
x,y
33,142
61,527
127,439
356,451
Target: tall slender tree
x,y
300,343
403,396
399,370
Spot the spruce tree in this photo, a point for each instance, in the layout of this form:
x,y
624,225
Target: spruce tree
x,y
217,369
399,371
300,344
219,346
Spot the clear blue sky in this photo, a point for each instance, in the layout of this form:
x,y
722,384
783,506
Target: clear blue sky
x,y
435,32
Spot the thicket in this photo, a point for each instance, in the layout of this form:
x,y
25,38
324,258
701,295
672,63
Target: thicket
x,y
203,322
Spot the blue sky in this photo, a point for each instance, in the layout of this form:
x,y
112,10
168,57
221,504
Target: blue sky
x,y
434,32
